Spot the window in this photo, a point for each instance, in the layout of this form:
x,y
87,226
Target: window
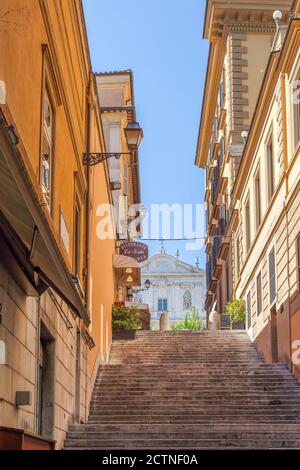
x,y
248,307
259,294
247,225
215,129
270,167
272,276
296,101
222,94
162,305
47,149
77,230
298,260
257,199
125,179
222,146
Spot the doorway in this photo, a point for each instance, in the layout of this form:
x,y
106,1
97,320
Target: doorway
x,y
77,377
46,383
274,339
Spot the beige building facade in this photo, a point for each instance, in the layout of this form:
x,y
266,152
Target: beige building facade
x,y
249,145
266,193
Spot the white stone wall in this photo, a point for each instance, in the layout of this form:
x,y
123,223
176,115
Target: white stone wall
x,y
170,279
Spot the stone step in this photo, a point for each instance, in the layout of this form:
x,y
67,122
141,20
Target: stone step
x,y
206,426
159,443
197,402
73,436
193,419
183,390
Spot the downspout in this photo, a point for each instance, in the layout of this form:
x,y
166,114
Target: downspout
x,y
87,202
87,227
285,143
289,283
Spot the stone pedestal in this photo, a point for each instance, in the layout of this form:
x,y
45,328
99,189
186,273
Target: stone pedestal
x,y
164,322
214,321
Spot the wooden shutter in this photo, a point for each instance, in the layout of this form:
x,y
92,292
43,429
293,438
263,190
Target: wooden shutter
x,y
272,278
249,315
259,294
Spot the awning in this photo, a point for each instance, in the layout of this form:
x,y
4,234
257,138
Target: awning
x,y
127,270
20,205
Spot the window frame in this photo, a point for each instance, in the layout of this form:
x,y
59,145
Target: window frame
x,y
247,225
50,140
257,197
164,301
271,180
49,84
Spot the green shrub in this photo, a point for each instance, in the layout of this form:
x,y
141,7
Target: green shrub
x,y
192,322
125,318
236,310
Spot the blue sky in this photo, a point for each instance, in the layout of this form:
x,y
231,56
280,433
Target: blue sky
x,y
161,41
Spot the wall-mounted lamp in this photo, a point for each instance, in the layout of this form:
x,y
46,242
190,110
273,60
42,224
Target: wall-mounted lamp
x,y
244,136
277,16
133,134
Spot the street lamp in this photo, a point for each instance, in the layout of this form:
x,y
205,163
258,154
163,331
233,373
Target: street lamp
x,y
147,284
133,134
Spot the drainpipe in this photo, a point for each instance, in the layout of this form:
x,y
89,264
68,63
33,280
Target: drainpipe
x,y
288,280
87,221
87,204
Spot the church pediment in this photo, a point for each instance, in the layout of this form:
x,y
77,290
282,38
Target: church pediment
x,y
164,263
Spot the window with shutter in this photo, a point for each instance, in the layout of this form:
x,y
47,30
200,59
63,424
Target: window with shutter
x,y
47,150
257,199
247,225
272,276
249,313
270,166
259,294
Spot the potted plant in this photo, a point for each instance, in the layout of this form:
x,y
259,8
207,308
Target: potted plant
x,y
191,322
236,310
125,322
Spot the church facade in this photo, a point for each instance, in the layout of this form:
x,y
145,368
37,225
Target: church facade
x,y
175,287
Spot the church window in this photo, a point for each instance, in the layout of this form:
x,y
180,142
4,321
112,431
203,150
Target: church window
x,y
162,305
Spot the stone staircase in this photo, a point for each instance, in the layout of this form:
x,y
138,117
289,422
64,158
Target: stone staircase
x,y
185,390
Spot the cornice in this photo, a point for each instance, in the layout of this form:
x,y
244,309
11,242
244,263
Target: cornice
x,y
250,27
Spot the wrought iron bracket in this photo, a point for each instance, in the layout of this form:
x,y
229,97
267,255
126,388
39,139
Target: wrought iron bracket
x,y
93,159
